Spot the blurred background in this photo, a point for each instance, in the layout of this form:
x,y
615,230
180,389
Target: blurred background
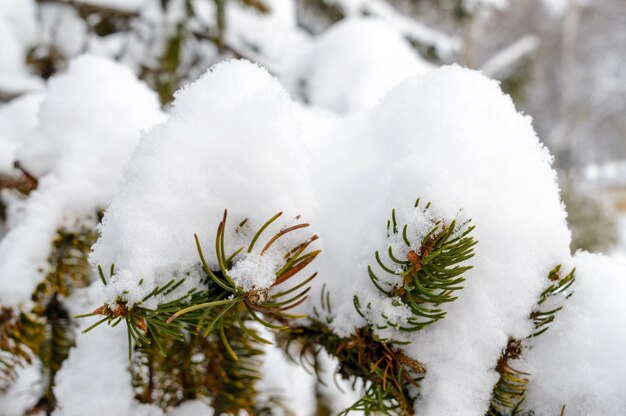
x,y
562,61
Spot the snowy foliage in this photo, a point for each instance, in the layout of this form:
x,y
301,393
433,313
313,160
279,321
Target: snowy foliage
x,y
84,135
326,149
231,142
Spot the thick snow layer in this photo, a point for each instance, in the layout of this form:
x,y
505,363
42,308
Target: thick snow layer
x,y
450,137
231,142
17,33
18,121
352,65
453,138
89,122
579,360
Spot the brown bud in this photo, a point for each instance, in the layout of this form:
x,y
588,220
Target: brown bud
x,y
256,297
415,260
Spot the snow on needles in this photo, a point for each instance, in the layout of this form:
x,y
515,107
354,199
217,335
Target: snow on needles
x,y
89,121
458,142
235,140
231,142
579,360
452,138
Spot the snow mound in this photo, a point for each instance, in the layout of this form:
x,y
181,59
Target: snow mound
x,y
452,138
231,142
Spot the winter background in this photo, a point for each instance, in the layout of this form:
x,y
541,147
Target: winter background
x,y
339,110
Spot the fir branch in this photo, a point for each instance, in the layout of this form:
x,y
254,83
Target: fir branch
x,y
46,331
428,276
20,338
389,378
226,298
543,316
203,311
24,184
54,349
145,325
509,392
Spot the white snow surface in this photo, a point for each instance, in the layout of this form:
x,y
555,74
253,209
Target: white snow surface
x,y
578,361
450,137
445,45
18,121
397,130
255,271
231,142
272,38
355,63
88,123
453,138
18,26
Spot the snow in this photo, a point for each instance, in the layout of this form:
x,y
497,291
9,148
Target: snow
x,y
254,271
231,142
25,248
453,138
442,43
352,65
18,121
577,361
377,127
17,35
221,127
89,122
272,38
285,379
61,26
